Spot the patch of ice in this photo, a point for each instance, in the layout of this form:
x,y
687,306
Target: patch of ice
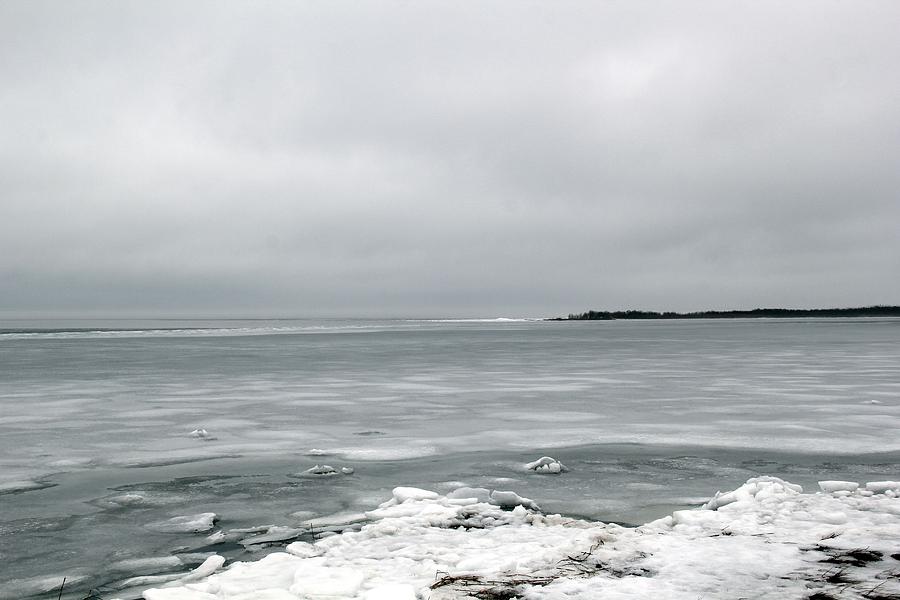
x,y
302,549
765,539
512,499
476,494
273,534
347,470
25,485
17,589
402,494
209,566
830,487
185,524
126,500
883,487
146,566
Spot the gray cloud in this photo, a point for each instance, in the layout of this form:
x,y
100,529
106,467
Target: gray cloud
x,y
434,158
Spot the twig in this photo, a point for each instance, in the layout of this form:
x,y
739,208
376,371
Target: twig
x,y
61,586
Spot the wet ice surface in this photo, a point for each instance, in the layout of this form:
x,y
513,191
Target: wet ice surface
x,y
100,432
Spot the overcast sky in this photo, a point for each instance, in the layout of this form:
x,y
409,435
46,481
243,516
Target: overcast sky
x,y
315,158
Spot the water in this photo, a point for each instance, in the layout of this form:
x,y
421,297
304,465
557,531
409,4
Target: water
x,y
650,416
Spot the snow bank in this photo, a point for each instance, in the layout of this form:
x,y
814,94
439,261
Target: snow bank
x,y
765,539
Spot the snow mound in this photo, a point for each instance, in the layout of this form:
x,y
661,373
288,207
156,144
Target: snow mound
x,y
547,465
766,539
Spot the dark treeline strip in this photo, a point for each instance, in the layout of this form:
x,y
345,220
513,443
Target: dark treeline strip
x,y
865,311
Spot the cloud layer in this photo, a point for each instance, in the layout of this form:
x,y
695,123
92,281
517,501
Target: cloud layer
x,y
413,159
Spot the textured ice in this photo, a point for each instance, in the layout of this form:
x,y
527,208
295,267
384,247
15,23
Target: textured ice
x,y
273,534
13,487
768,540
883,487
185,524
838,486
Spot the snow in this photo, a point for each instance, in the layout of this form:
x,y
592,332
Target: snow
x,y
766,538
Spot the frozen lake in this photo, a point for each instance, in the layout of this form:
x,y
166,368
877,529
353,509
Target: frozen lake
x,y
649,416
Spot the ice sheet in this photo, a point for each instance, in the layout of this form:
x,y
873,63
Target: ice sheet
x,y
764,539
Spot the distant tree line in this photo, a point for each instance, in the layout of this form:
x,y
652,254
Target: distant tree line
x,y
865,311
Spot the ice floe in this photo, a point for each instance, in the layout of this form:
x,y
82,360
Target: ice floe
x,y
838,486
547,465
185,524
766,538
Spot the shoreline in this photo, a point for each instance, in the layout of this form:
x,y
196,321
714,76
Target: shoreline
x,y
756,313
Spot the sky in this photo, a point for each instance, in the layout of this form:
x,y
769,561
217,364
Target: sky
x,y
330,158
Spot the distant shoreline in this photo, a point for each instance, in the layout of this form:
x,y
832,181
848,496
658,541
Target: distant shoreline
x,y
756,313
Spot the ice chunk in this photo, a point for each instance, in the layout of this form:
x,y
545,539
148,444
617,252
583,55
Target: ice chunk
x,y
302,549
347,470
320,471
185,524
14,487
273,534
402,494
478,494
34,586
209,566
547,465
830,487
882,487
512,499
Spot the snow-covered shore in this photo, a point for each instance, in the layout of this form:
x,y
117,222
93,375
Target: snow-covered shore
x,y
765,539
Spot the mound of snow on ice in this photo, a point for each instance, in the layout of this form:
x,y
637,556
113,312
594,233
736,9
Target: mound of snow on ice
x,y
766,539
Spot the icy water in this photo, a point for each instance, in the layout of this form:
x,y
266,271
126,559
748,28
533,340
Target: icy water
x,y
95,423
